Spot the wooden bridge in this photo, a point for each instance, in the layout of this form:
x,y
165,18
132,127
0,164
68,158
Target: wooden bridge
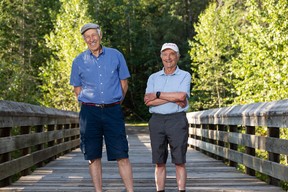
x,y
45,152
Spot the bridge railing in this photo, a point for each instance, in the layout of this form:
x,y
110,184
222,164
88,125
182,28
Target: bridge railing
x,y
229,134
31,136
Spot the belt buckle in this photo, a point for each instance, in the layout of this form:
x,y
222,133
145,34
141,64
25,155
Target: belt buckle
x,y
100,105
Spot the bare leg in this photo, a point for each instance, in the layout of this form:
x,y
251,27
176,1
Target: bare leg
x,y
160,176
126,174
95,167
181,176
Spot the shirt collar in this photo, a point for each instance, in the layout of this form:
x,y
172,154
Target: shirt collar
x,y
103,51
174,73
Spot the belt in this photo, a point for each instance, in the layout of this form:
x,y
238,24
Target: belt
x,y
101,105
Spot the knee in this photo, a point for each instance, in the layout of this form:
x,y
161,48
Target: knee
x,y
160,166
124,161
180,165
94,161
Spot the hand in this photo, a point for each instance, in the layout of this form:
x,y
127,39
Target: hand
x,y
149,97
182,104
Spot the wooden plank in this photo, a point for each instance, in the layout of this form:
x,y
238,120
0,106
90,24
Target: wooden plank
x,y
8,144
270,168
15,166
23,114
271,114
270,144
70,173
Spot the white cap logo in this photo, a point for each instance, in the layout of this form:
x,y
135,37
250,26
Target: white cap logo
x,y
172,46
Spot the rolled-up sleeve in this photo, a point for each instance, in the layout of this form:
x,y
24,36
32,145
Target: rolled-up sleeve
x,y
75,77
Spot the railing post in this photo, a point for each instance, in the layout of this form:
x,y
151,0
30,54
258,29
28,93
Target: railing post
x,y
59,127
5,132
27,150
39,129
250,151
51,143
74,125
192,134
204,127
274,157
196,137
221,143
66,139
233,129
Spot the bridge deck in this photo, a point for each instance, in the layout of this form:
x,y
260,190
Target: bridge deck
x,y
70,173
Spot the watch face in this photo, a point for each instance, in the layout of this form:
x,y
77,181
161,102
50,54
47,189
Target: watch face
x,y
158,94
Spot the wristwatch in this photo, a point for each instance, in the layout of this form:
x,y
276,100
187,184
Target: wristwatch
x,y
158,93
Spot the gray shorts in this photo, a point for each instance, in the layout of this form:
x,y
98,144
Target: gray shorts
x,y
172,130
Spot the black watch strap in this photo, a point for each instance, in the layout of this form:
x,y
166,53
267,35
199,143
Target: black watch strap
x,y
158,93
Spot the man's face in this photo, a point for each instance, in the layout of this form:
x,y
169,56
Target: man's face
x,y
93,39
169,58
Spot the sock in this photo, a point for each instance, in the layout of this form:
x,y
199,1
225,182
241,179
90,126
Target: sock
x,y
181,190
161,191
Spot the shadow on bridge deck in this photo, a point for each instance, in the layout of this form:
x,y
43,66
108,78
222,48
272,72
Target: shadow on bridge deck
x,y
70,173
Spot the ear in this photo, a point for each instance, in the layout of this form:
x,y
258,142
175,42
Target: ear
x,y
99,33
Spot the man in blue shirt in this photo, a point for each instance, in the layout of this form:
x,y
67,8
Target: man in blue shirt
x,y
99,76
167,96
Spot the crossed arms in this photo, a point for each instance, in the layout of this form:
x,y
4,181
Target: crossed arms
x,y
179,98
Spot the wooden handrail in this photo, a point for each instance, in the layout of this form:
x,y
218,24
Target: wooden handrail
x,y
31,136
220,133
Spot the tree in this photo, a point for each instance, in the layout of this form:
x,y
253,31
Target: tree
x,y
138,29
212,52
23,24
261,66
66,42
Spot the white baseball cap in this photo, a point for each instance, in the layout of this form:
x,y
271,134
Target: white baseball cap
x,y
172,46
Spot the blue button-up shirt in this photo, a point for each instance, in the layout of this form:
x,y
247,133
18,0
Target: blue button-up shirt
x,y
100,76
179,81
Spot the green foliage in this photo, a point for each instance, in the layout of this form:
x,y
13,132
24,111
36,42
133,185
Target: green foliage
x,y
138,29
239,54
66,43
22,27
36,62
261,65
212,51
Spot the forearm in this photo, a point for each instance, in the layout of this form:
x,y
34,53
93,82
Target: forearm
x,y
156,102
124,86
173,96
179,98
77,91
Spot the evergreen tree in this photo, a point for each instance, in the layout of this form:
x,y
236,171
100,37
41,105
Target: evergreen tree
x,y
23,24
66,42
138,29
